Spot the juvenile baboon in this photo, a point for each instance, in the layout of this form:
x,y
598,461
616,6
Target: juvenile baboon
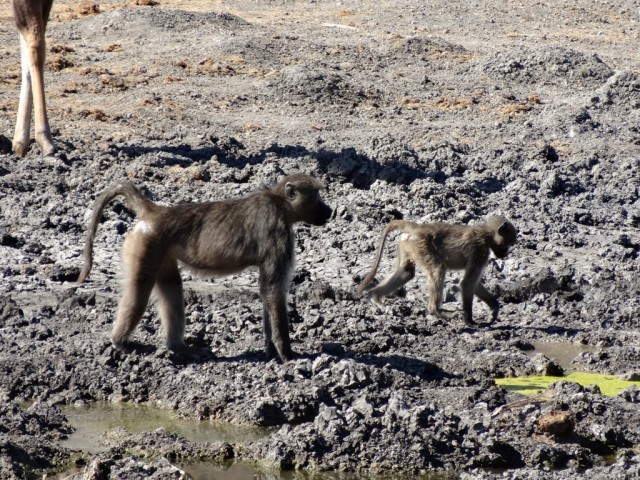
x,y
216,238
438,247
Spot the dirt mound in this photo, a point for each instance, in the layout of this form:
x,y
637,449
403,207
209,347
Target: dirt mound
x,y
551,65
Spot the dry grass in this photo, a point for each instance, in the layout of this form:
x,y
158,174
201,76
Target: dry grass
x,y
59,62
94,113
454,103
516,108
115,47
87,7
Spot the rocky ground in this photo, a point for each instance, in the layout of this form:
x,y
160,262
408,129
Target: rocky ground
x,y
429,111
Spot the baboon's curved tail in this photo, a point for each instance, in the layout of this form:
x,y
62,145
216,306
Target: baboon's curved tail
x,y
402,225
134,200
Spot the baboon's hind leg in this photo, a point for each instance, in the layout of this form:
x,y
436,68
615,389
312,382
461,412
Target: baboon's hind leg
x,y
140,265
405,271
169,292
483,294
168,289
435,288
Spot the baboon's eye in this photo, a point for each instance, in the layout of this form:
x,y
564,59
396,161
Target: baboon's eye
x,y
290,190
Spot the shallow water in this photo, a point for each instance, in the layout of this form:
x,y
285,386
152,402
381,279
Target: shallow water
x,y
92,421
243,471
561,352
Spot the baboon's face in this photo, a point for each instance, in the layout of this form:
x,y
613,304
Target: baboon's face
x,y
308,204
505,238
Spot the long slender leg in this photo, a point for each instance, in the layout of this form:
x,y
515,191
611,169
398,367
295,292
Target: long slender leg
x,y
23,121
41,122
140,265
168,288
483,294
31,20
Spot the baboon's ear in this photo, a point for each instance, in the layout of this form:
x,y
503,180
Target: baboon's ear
x,y
290,190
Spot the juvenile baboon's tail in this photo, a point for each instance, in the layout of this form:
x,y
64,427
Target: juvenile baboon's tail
x,y
134,200
402,225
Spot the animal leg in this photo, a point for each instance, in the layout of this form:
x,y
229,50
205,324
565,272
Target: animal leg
x,y
25,105
277,331
31,26
140,266
435,287
168,289
483,294
405,271
469,284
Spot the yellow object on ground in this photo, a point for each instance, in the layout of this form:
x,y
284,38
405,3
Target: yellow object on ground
x,y
609,384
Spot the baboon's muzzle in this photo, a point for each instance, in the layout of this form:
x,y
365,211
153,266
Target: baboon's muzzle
x,y
323,215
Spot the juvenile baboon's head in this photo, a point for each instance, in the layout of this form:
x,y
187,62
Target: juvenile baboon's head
x,y
302,192
504,235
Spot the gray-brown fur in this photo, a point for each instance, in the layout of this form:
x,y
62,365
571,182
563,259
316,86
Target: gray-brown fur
x,y
217,238
438,247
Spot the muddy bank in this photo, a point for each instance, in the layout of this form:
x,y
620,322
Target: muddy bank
x,y
432,112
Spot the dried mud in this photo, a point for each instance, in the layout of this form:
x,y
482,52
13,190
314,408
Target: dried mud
x,y
430,111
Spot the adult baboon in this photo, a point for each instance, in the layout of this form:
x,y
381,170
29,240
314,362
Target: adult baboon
x,y
217,238
438,247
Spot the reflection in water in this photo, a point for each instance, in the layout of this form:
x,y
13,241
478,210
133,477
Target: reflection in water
x,y
244,471
92,421
561,352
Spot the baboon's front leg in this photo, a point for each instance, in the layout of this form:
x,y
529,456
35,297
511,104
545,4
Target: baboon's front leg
x,y
469,283
276,333
483,294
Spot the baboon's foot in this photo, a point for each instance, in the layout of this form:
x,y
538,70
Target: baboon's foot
x,y
494,314
287,356
191,352
284,355
376,301
469,321
130,346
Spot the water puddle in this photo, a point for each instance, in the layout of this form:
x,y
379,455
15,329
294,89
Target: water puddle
x,y
561,352
243,471
92,421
